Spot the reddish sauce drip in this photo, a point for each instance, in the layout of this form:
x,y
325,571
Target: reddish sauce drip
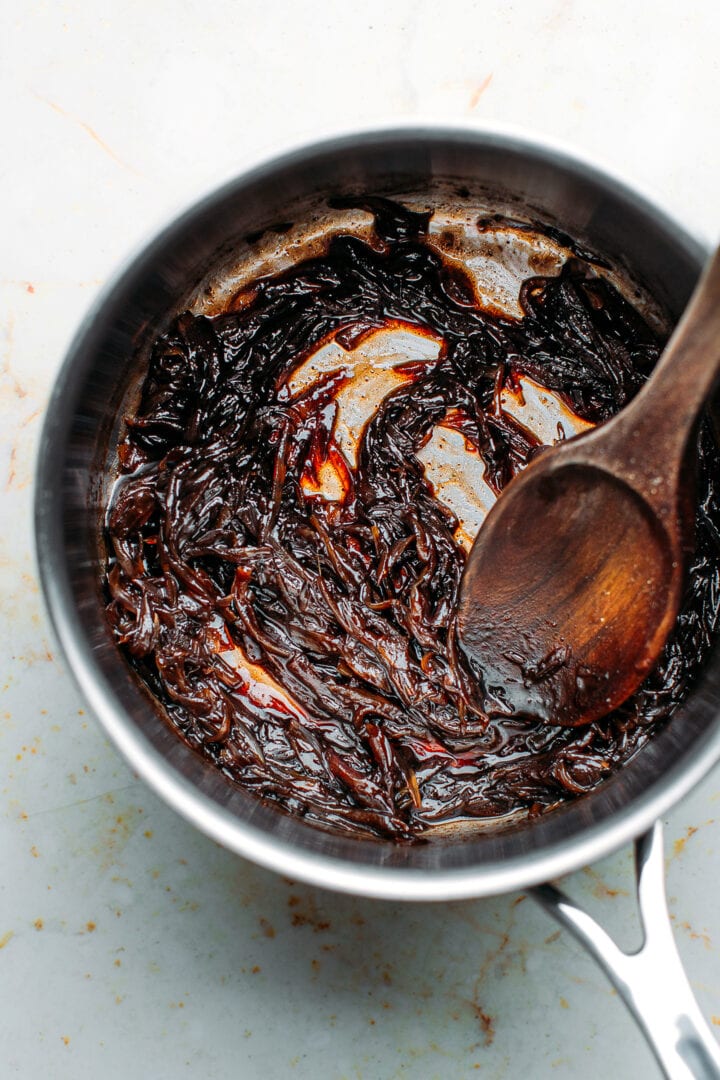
x,y
217,538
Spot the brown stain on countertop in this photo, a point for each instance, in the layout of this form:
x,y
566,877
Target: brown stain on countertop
x,y
16,387
12,470
87,129
679,845
29,419
114,830
479,91
32,656
695,935
305,913
497,960
487,1024
600,887
497,963
6,938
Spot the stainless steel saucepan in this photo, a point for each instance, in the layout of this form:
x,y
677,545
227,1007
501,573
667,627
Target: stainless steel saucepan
x,y
515,176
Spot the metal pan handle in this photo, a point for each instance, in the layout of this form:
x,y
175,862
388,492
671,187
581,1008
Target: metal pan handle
x,y
651,981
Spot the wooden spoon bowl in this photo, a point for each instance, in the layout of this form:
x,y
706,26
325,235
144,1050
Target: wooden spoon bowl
x,y
568,619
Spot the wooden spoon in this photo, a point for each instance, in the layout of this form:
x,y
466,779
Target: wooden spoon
x,y
575,579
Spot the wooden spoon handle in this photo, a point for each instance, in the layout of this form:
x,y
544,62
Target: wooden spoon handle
x,y
647,442
690,364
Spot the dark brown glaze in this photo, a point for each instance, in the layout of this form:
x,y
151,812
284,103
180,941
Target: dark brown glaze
x,y
350,606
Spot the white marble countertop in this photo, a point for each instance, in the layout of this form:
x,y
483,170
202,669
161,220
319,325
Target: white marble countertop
x,y
130,944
